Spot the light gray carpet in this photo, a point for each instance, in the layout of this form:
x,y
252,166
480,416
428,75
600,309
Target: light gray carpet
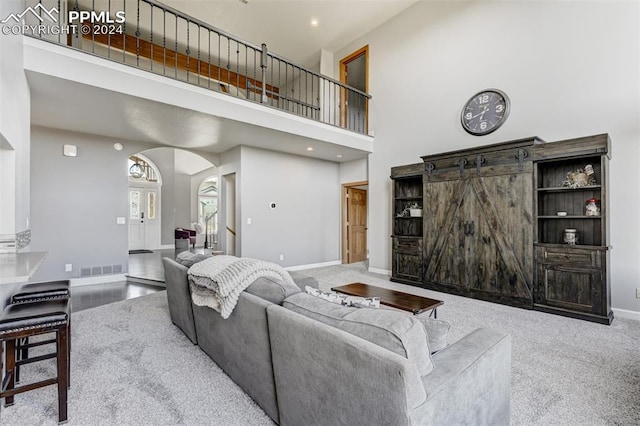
x,y
131,366
564,371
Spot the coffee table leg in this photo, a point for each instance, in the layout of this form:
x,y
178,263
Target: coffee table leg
x,y
434,312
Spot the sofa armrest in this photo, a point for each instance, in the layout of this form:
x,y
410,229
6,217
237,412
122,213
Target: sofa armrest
x,y
179,297
475,372
325,376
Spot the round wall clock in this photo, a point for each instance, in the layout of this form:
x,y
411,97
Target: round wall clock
x,y
485,112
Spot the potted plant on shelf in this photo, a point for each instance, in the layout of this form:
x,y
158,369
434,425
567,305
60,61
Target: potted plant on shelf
x,y
415,210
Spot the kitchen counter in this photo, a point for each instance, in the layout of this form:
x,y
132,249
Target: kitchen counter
x,y
19,267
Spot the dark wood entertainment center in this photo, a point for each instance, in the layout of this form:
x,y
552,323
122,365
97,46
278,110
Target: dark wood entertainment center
x,y
496,221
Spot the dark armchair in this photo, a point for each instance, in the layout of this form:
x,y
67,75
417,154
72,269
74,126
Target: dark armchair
x,y
186,234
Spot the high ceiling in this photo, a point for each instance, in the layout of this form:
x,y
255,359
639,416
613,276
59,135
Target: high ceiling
x,y
285,25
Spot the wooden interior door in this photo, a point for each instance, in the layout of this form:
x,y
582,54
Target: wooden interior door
x,y
356,225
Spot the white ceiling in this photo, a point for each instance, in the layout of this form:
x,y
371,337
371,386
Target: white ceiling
x,y
285,25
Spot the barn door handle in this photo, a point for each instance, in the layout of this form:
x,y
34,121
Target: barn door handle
x,y
472,228
466,227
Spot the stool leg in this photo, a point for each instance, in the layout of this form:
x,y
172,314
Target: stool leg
x,y
10,369
69,353
2,352
23,353
63,372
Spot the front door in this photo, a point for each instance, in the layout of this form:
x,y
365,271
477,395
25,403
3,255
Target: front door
x,y
143,218
356,225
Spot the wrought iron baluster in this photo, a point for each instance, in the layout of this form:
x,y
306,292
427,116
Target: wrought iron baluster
x,y
164,42
151,39
209,59
237,68
138,36
124,32
93,33
188,51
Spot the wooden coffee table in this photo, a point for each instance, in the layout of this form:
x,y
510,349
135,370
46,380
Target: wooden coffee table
x,y
406,302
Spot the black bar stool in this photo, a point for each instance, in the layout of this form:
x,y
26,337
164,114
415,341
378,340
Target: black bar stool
x,y
31,319
40,292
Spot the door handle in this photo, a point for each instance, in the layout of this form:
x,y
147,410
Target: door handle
x,y
142,215
469,228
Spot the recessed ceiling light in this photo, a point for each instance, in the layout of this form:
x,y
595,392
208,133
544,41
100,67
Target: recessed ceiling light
x,y
339,155
118,146
309,148
314,22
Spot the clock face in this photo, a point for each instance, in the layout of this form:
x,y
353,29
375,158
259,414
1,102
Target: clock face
x,y
485,112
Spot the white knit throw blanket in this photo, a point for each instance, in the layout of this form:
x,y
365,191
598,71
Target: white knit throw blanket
x,y
229,276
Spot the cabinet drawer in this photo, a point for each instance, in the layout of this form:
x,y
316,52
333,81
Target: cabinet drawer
x,y
408,245
570,257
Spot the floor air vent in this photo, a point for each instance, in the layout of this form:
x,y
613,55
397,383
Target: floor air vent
x,y
100,270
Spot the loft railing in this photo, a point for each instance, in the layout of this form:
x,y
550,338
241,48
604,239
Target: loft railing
x,y
160,39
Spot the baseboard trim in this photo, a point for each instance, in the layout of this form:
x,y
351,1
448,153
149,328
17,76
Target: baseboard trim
x,y
380,271
624,313
312,265
102,279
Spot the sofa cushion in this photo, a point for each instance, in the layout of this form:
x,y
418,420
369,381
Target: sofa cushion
x,y
303,280
275,291
188,259
395,331
344,299
437,331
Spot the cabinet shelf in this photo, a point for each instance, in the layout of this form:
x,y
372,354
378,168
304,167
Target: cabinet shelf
x,y
408,198
569,217
567,189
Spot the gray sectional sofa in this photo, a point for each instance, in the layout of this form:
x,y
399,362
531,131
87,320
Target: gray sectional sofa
x,y
306,361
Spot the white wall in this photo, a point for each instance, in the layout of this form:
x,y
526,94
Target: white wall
x,y
14,130
570,69
354,171
76,200
305,225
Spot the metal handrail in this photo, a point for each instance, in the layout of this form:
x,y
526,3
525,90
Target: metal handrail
x,y
248,43
219,61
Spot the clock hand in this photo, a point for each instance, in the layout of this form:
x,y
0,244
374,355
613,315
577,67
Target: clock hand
x,y
480,113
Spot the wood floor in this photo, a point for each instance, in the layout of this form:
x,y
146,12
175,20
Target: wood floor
x,y
145,276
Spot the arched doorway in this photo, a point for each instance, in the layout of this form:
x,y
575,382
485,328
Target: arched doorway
x,y
144,204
